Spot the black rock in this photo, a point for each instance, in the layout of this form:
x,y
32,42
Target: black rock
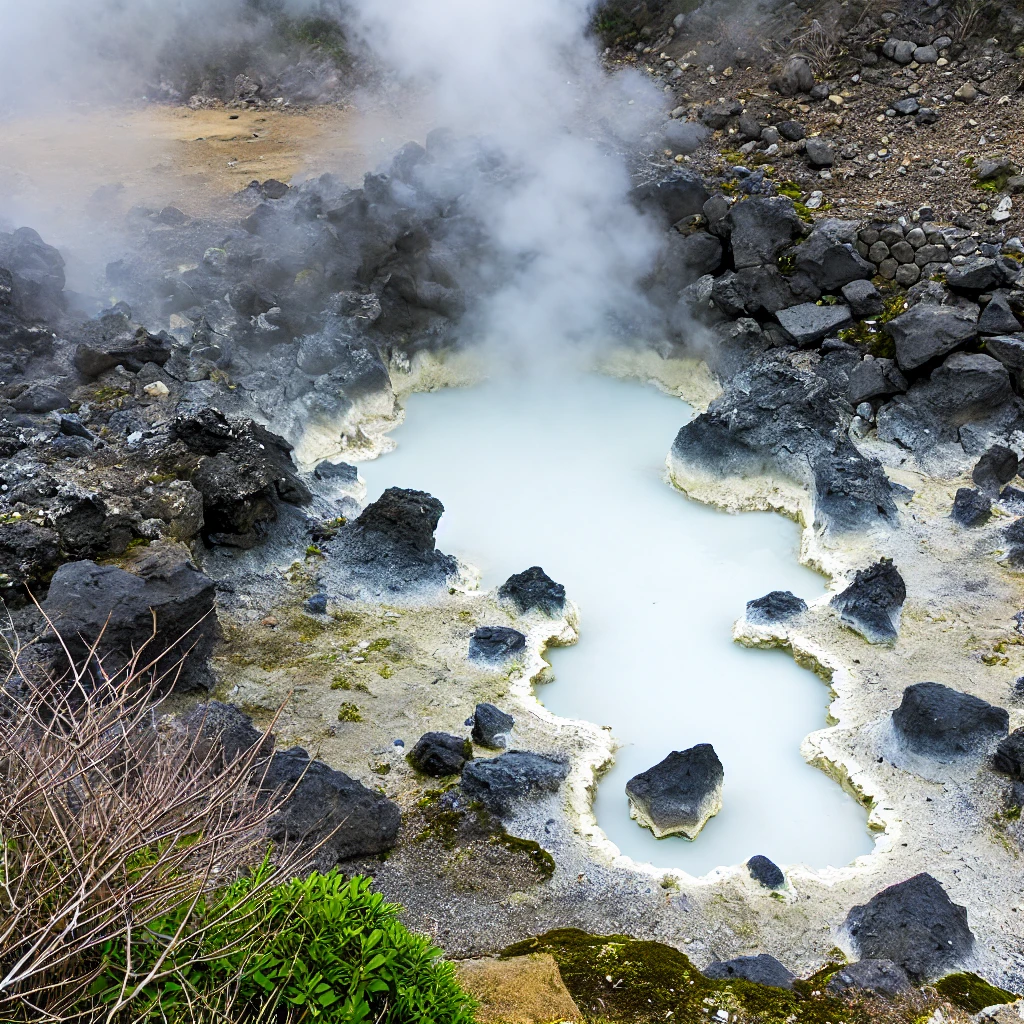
x,y
915,925
495,643
41,398
440,753
767,872
828,257
336,471
406,518
819,153
491,726
112,339
778,606
89,602
875,378
792,131
1009,756
882,977
863,298
328,807
1013,539
996,467
315,605
1008,349
808,324
36,275
936,721
752,291
672,200
928,331
796,76
534,590
761,228
762,969
982,274
678,795
871,604
223,733
997,317
926,116
907,105
28,555
971,507
499,783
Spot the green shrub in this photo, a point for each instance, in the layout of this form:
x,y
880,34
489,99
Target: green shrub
x,y
321,948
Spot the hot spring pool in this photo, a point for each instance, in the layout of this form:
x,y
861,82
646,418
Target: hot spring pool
x,y
569,475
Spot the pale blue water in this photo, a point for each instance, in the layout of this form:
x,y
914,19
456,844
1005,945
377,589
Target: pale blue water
x,y
569,474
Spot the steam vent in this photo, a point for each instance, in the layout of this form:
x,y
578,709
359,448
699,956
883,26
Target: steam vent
x,y
512,512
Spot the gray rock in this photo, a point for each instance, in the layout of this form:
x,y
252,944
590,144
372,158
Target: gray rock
x,y
936,721
926,55
828,257
760,228
792,131
996,467
875,378
37,398
534,590
682,260
915,925
981,274
907,275
926,116
931,254
997,317
752,291
1008,349
223,733
808,324
928,331
749,127
672,199
766,872
796,76
491,726
778,606
762,969
907,105
678,795
499,783
863,298
496,643
1009,756
819,153
903,252
872,603
112,339
881,977
903,51
993,168
971,508
738,344
878,252
440,753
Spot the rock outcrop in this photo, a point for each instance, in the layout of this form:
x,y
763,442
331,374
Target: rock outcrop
x,y
872,603
491,726
495,644
678,795
937,721
534,590
778,606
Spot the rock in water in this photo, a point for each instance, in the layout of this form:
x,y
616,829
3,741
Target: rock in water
x,y
440,753
765,871
871,604
491,726
406,518
915,925
971,507
501,782
495,643
678,795
326,805
534,590
937,721
1009,756
762,969
778,606
882,977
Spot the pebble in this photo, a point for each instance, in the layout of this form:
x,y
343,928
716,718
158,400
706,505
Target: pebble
x,y
967,93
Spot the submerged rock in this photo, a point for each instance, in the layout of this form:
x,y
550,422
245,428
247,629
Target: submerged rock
x,y
678,795
778,606
915,925
871,604
765,871
534,590
937,721
328,807
971,507
440,753
762,969
499,783
882,977
491,726
495,643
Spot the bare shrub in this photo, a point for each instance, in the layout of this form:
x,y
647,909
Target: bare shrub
x,y
109,820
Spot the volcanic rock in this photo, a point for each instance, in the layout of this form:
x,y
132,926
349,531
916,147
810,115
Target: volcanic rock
x,y
499,783
809,323
828,257
863,298
936,721
495,643
752,291
760,228
820,153
328,807
440,753
28,555
997,317
678,795
982,274
915,925
673,199
38,398
871,604
534,590
766,872
795,76
971,507
113,340
875,378
882,977
223,733
928,331
491,726
778,606
1009,756
36,274
762,969
996,467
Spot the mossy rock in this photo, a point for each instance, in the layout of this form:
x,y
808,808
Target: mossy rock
x,y
972,993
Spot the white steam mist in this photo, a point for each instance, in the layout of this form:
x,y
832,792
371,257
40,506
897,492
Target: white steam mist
x,y
525,76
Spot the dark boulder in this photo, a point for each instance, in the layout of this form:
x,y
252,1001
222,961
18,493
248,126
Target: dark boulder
x,y
1009,756
340,471
491,726
683,259
673,199
753,291
875,378
1013,540
28,555
791,131
982,274
678,795
971,508
915,925
440,753
223,733
766,872
88,526
996,467
928,331
1008,349
809,324
778,606
997,317
760,228
761,969
38,398
863,298
112,339
36,275
405,518
871,604
499,783
329,808
495,643
89,603
828,257
881,977
737,345
796,76
819,152
534,590
937,721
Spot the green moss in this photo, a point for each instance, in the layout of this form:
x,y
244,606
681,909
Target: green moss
x,y
312,551
349,712
385,671
443,826
972,993
341,682
380,644
306,626
381,768
542,860
787,263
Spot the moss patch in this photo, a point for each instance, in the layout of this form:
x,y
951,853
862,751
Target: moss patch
x,y
972,993
349,712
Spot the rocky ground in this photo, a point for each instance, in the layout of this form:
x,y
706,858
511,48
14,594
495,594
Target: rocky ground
x,y
855,358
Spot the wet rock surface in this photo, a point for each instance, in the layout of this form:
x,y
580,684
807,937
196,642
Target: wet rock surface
x,y
678,795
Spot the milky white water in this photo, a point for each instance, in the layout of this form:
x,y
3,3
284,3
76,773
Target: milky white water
x,y
570,475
